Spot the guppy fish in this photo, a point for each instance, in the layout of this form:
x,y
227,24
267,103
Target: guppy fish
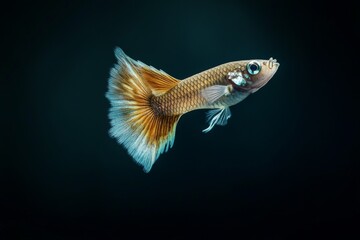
x,y
146,103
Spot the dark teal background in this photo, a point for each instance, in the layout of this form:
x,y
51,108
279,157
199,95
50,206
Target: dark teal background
x,y
282,168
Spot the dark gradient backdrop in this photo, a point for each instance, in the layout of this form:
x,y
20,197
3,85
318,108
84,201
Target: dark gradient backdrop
x,y
281,169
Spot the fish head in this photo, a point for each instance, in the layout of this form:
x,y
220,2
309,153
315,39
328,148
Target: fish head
x,y
253,74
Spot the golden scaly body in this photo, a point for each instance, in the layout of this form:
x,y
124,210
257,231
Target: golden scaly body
x,y
186,96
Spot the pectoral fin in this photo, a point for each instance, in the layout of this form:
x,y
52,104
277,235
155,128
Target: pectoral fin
x,y
213,93
217,116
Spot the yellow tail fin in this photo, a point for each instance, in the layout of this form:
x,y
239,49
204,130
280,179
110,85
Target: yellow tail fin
x,y
143,132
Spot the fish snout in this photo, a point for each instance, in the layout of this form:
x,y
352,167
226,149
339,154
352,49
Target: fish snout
x,y
267,72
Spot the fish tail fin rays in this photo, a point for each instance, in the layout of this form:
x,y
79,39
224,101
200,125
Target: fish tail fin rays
x,y
140,128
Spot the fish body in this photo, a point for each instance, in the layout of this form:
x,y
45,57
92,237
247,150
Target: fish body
x,y
147,103
187,95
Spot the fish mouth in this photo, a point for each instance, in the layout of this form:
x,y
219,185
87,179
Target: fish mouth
x,y
273,62
273,66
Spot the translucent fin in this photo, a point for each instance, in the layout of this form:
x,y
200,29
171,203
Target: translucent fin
x,y
213,93
159,81
217,116
144,133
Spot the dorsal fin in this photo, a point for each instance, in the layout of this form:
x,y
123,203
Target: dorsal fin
x,y
160,82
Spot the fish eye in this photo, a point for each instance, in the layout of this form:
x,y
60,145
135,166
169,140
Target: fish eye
x,y
253,67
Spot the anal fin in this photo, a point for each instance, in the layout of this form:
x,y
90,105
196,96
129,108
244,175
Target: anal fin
x,y
217,117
